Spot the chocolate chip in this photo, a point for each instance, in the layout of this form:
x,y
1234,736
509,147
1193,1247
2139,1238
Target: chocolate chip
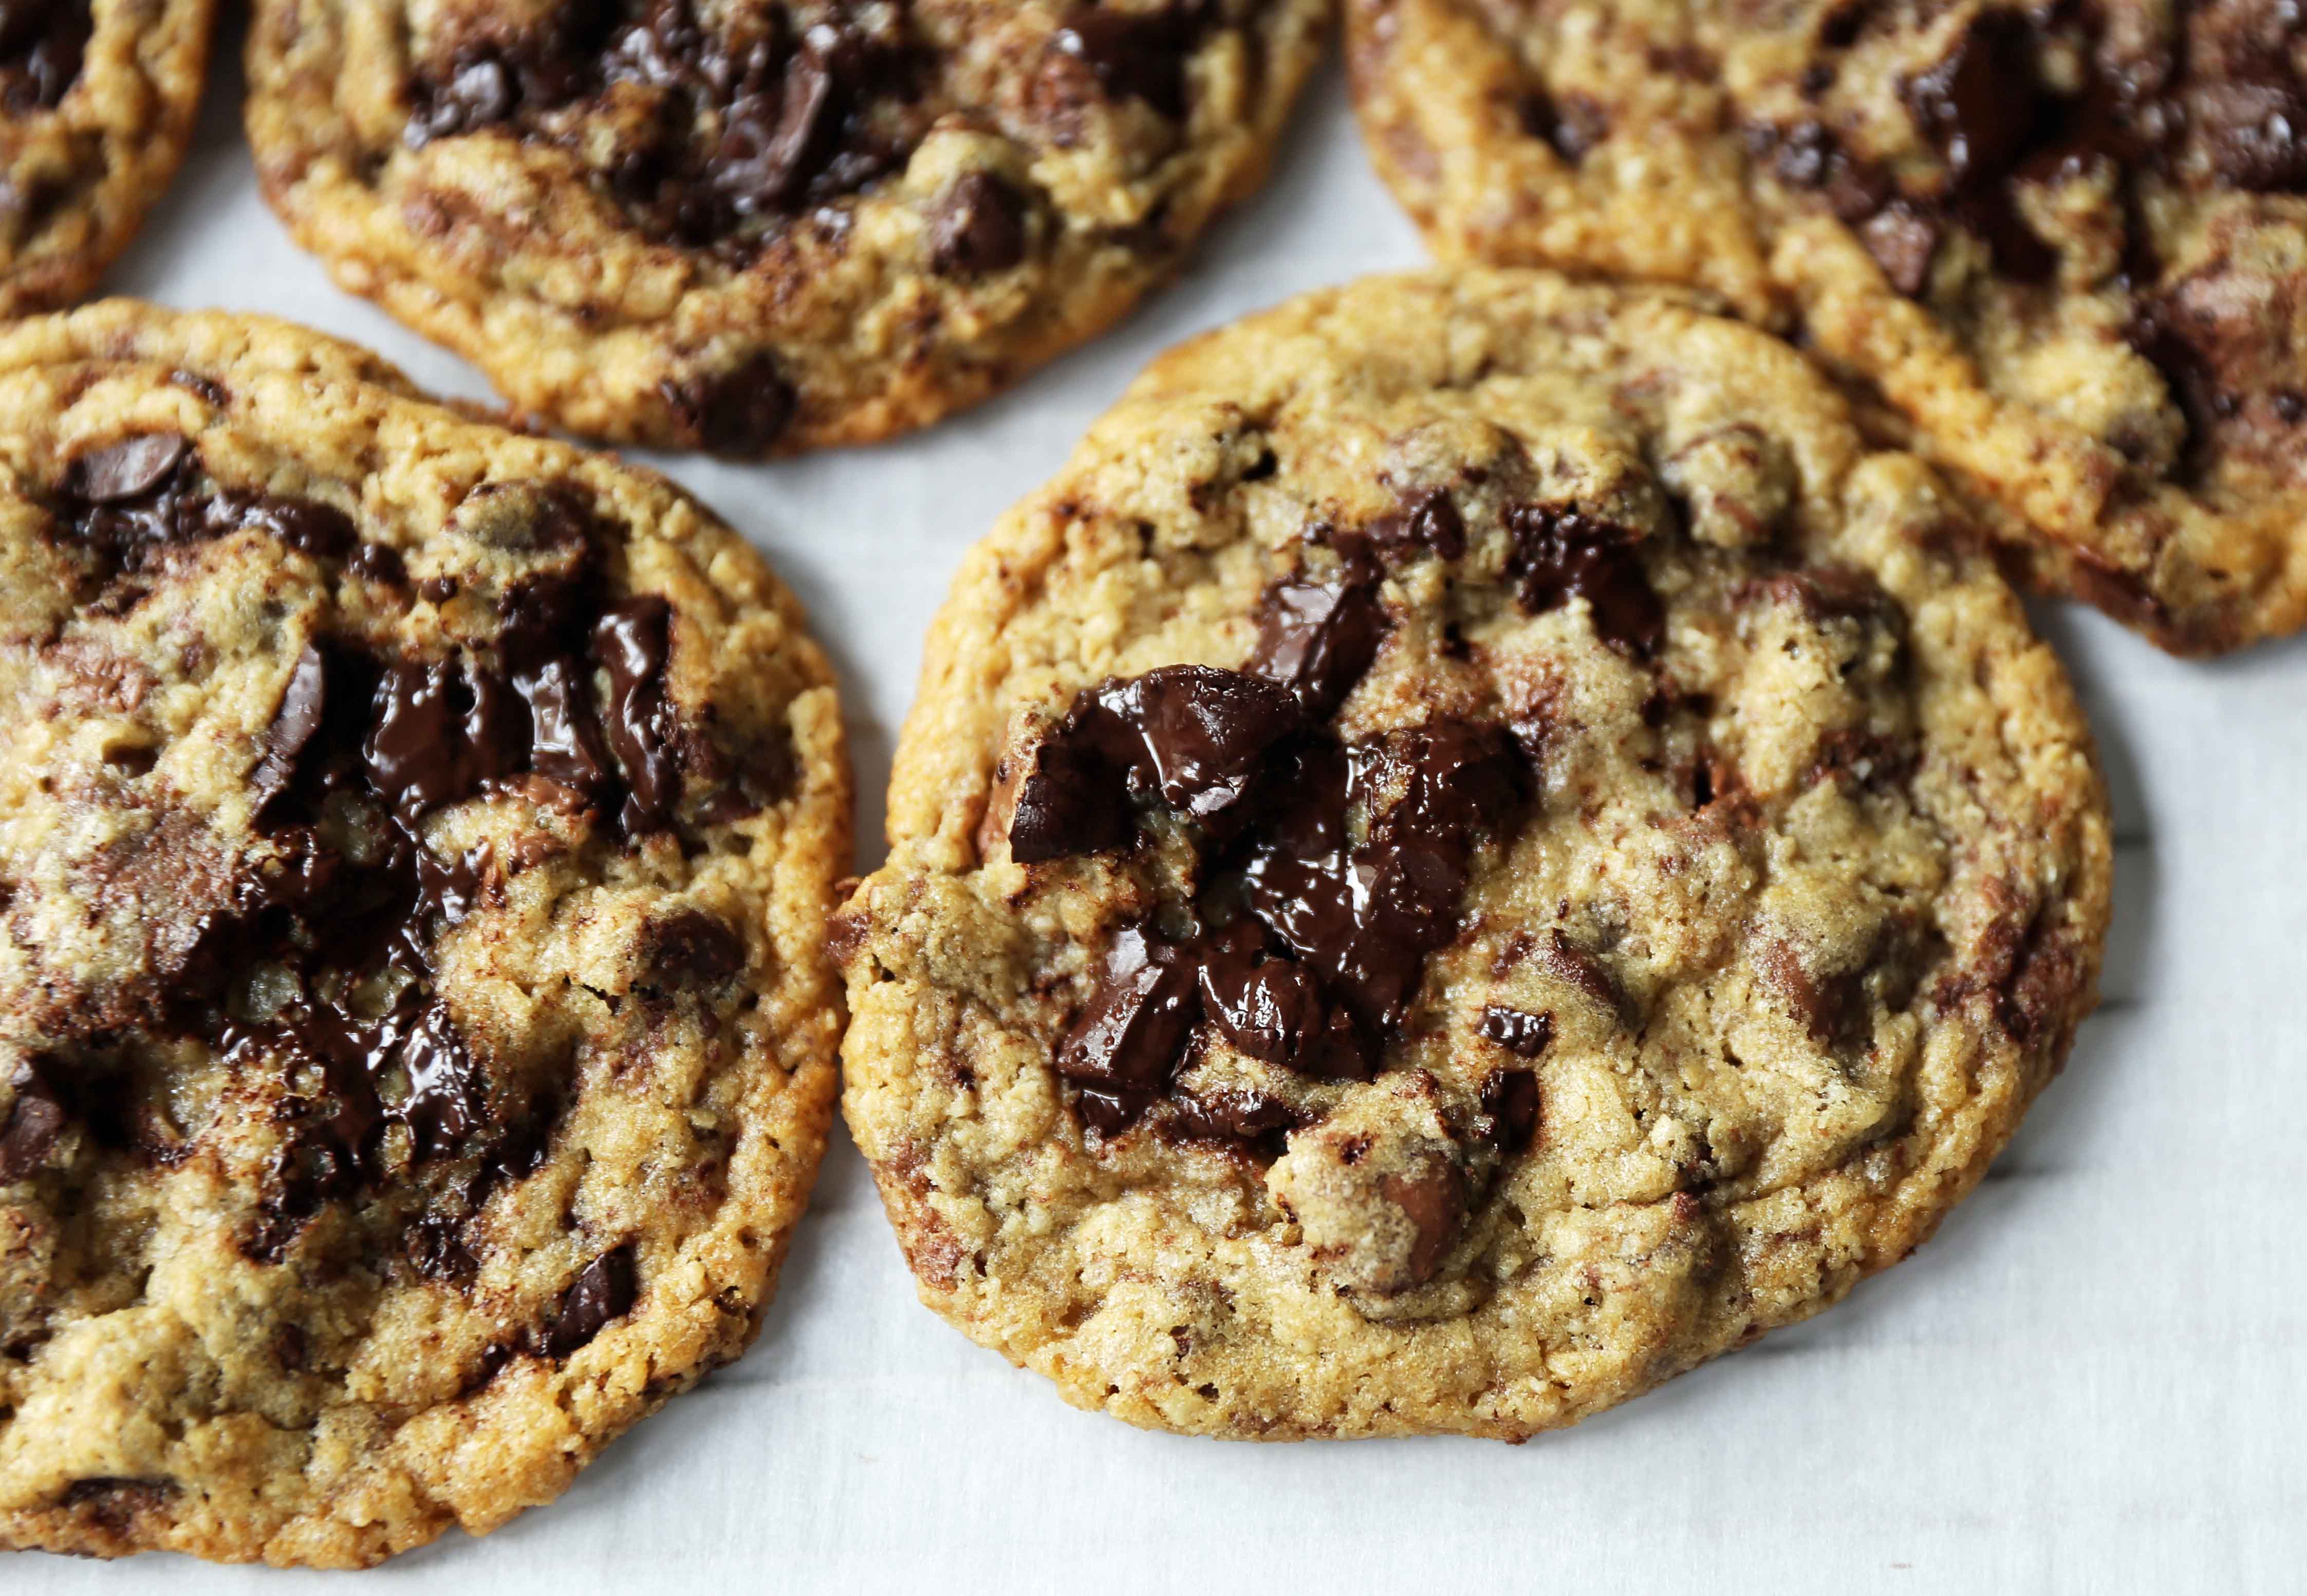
x,y
742,411
694,948
1510,1105
1561,553
35,1121
977,226
1128,1038
1318,638
1518,1031
605,1290
1573,124
633,643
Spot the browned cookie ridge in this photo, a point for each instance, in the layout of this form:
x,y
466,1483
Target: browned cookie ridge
x,y
2059,250
755,226
416,1035
1474,848
97,103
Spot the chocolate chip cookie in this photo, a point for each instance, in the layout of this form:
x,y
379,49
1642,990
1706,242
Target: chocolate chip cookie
x,y
416,1038
2061,250
758,225
1474,848
97,103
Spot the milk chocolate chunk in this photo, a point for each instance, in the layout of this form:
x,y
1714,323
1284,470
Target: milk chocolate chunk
x,y
128,469
35,1118
1561,554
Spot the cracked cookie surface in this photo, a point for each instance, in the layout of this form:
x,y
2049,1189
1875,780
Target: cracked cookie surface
x,y
756,226
2061,251
97,103
1473,850
417,1039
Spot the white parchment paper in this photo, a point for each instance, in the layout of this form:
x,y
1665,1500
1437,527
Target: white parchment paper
x,y
2094,1380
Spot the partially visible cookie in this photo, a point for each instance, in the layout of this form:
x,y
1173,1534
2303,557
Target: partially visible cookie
x,y
2061,250
758,225
97,103
1473,850
416,1037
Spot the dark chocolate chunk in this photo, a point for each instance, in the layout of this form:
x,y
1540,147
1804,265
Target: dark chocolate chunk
x,y
1128,1038
977,226
42,45
694,948
605,1290
35,1121
1241,1120
1429,523
1135,54
1269,1008
742,411
1561,553
1066,799
1584,971
1980,103
294,725
1318,638
436,732
633,643
1510,1107
115,1502
1517,1030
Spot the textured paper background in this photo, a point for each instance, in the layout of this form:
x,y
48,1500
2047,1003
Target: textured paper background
x,y
2094,1380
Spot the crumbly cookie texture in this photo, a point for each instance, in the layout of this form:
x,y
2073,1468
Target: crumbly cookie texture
x,y
2061,250
416,1038
1471,850
97,103
759,225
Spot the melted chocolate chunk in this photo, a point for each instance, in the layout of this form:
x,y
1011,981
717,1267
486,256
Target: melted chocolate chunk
x,y
1201,734
35,1120
1318,638
127,503
1067,799
633,642
605,1290
977,227
1519,1032
1510,1108
1561,553
42,44
1238,1119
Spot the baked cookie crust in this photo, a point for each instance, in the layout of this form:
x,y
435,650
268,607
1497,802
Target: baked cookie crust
x,y
1473,850
2060,251
97,103
753,226
416,1038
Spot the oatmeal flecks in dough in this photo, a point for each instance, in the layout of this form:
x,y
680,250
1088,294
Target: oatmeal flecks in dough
x,y
1474,848
417,1041
754,226
2062,252
98,99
